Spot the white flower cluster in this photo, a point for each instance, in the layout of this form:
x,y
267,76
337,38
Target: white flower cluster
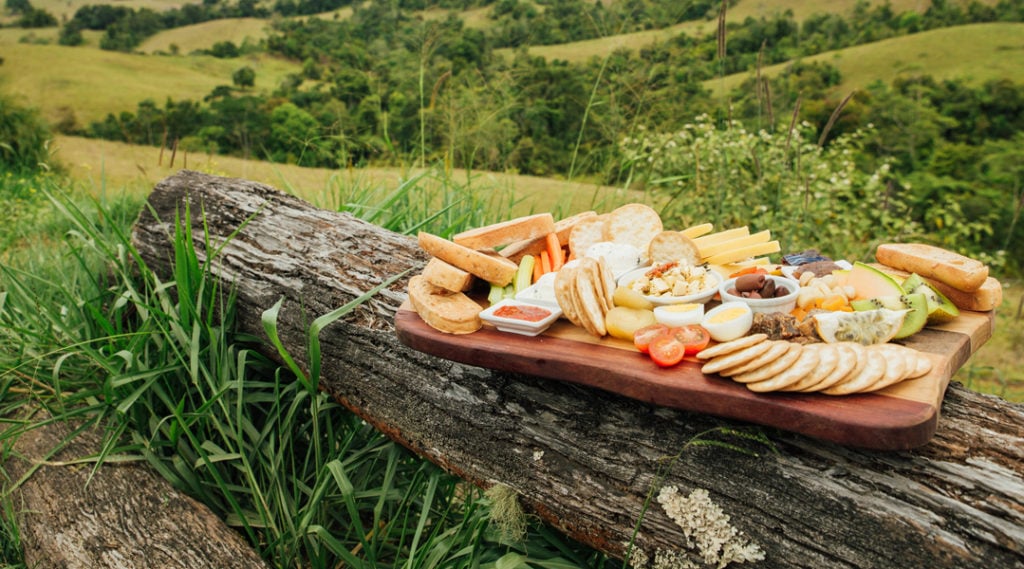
x,y
706,525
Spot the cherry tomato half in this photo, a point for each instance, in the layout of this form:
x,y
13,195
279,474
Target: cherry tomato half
x,y
666,350
694,337
642,337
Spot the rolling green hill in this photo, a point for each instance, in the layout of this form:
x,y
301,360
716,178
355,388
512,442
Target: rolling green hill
x,y
204,35
975,53
94,82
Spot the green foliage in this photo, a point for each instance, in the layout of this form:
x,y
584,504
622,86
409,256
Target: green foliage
x,y
807,195
95,335
24,139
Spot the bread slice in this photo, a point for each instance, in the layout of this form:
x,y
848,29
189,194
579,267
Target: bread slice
x,y
444,310
447,276
491,268
960,272
988,296
498,234
563,227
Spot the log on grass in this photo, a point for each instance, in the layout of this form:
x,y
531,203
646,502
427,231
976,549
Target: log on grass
x,y
72,515
589,462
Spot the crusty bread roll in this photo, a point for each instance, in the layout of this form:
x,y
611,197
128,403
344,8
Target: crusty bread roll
x,y
960,272
563,227
494,269
444,310
498,234
447,276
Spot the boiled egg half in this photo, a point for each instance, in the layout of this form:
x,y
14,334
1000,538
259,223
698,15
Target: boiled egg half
x,y
728,321
679,314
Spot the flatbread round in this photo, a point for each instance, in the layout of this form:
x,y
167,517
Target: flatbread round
x,y
775,350
804,365
772,369
731,346
735,358
874,369
635,224
828,359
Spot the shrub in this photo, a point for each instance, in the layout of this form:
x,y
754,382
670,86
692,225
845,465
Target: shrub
x,y
24,139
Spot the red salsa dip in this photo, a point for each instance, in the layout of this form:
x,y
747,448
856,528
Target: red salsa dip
x,y
525,312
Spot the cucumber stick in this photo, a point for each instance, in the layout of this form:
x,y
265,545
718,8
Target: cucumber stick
x,y
524,275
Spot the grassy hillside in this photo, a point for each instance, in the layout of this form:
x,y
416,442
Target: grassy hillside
x,y
116,166
54,78
976,53
204,35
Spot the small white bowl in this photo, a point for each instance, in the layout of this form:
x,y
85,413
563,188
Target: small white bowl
x,y
700,298
492,315
764,305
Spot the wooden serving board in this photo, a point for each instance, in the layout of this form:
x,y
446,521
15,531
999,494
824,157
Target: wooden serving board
x,y
900,417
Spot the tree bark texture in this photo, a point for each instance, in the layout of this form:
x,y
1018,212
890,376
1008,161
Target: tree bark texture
x,y
589,462
119,516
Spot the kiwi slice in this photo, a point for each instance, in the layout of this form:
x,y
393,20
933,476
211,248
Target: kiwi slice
x,y
940,308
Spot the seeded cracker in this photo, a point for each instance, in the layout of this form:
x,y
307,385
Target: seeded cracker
x,y
586,233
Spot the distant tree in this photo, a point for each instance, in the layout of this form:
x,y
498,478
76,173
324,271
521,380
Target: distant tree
x,y
70,35
36,18
244,77
224,50
18,6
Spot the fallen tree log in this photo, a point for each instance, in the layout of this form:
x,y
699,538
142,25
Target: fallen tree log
x,y
588,461
119,516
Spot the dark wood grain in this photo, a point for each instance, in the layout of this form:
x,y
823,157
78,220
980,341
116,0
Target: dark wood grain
x,y
871,420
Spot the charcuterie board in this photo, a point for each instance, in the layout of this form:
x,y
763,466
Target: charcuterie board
x,y
900,417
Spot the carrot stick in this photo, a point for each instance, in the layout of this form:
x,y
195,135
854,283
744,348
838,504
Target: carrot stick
x,y
554,249
538,270
545,262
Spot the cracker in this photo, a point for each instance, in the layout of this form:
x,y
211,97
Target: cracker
x,y
735,358
803,365
563,293
873,370
669,246
828,359
900,360
591,314
776,350
585,233
922,365
731,346
850,360
772,369
634,224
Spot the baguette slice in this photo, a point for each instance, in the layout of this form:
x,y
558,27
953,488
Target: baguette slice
x,y
563,227
498,234
988,296
962,273
446,276
491,268
444,310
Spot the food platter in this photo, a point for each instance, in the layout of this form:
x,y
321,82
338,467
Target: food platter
x,y
900,417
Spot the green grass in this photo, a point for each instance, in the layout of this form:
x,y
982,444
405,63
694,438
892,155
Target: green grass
x,y
57,79
204,35
975,53
88,331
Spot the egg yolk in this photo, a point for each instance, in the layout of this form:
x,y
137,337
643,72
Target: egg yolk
x,y
727,315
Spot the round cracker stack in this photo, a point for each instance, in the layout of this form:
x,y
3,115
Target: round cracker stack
x,y
841,368
582,292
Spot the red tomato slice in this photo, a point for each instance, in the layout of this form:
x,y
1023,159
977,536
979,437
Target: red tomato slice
x,y
695,338
666,350
642,338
